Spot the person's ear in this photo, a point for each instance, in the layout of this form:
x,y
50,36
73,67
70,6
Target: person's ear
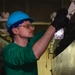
x,y
14,30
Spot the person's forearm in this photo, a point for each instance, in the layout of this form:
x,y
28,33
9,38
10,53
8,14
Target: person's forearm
x,y
40,46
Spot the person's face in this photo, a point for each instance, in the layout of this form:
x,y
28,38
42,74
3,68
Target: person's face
x,y
25,30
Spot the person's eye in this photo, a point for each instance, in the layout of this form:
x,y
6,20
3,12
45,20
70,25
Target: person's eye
x,y
27,26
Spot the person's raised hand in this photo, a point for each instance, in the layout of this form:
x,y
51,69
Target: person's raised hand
x,y
60,21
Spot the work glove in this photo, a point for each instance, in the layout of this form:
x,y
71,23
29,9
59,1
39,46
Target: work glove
x,y
60,21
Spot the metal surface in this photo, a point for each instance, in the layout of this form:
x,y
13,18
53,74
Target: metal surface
x,y
64,63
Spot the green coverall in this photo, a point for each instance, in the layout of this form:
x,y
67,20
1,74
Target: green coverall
x,y
21,60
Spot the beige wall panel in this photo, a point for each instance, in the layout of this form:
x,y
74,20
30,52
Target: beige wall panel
x,y
44,64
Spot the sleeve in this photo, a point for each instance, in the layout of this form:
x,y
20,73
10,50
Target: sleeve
x,y
19,55
36,37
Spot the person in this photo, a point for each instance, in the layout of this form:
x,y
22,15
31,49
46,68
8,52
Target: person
x,y
21,55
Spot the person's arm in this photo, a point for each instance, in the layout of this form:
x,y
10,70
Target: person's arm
x,y
59,22
40,46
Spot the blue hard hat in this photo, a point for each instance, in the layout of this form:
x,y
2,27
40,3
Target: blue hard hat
x,y
17,17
